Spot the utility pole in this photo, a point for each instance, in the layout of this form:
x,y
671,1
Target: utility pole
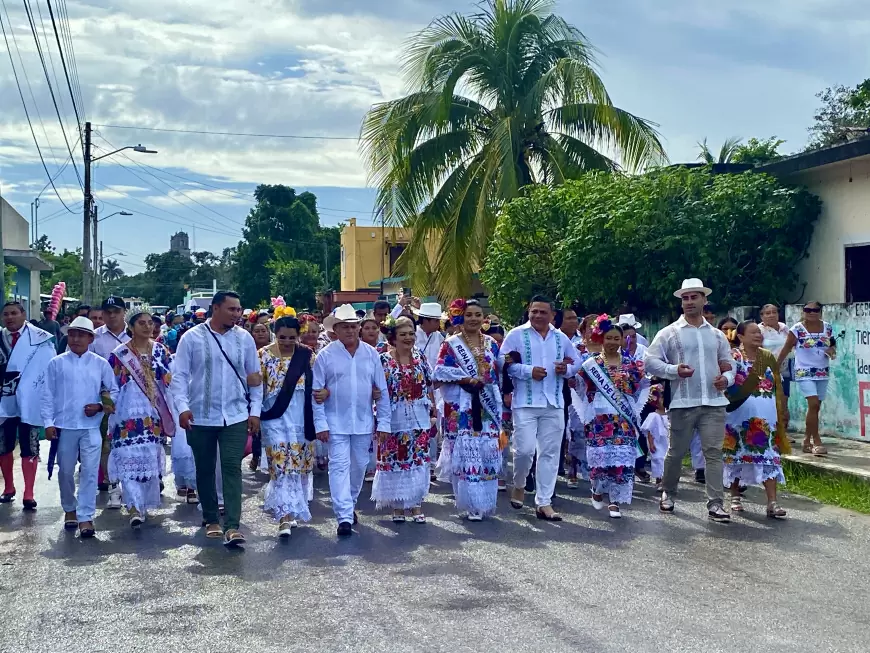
x,y
36,220
87,294
99,292
97,269
325,265
2,256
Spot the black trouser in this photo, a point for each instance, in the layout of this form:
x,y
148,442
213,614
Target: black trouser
x,y
27,437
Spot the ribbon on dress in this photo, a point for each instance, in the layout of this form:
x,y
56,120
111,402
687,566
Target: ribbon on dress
x,y
469,365
623,406
134,366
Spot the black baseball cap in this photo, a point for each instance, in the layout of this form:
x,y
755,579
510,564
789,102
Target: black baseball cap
x,y
114,302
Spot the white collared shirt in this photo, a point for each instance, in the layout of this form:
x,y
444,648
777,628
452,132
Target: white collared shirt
x,y
105,342
429,345
350,380
702,348
539,352
71,383
204,383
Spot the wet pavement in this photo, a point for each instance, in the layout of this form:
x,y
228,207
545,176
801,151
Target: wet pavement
x,y
513,583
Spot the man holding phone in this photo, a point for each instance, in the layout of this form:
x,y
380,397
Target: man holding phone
x,y
692,354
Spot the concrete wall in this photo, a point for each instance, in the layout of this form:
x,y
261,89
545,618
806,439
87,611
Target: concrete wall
x,y
16,230
362,253
846,410
845,220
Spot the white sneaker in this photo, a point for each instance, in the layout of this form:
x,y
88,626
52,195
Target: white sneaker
x,y
114,501
475,516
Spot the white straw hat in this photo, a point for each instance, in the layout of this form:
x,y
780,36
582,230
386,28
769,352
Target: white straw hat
x,y
429,309
82,324
693,285
345,314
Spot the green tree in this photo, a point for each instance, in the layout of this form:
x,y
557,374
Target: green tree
x,y
169,273
297,282
630,240
67,268
112,270
535,111
519,261
726,152
758,151
254,262
843,109
43,245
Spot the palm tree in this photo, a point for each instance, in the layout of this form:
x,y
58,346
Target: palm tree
x,y
112,270
726,154
500,99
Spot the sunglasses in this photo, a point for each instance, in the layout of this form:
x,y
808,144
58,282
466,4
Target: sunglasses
x,y
812,310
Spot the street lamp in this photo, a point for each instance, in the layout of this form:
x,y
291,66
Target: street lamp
x,y
89,282
115,213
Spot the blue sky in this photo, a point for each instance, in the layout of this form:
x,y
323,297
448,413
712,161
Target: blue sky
x,y
313,67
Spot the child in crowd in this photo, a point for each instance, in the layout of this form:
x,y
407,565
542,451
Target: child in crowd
x,y
656,428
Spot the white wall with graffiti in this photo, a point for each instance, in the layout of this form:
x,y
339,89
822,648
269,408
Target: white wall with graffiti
x,y
846,410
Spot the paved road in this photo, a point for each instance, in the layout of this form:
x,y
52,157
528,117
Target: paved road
x,y
646,583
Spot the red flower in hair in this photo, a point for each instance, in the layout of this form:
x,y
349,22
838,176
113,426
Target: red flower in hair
x,y
456,310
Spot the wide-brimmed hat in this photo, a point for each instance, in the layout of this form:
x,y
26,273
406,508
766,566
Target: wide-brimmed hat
x,y
344,314
629,320
82,323
692,285
431,310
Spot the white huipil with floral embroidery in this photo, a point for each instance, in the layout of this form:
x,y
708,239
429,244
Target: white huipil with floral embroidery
x,y
290,456
137,459
402,472
749,451
810,360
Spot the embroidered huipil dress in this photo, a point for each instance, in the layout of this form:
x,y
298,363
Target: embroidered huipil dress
x,y
577,429
402,471
137,458
611,440
749,450
290,456
470,460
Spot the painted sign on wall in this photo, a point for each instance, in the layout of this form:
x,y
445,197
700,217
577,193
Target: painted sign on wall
x,y
846,409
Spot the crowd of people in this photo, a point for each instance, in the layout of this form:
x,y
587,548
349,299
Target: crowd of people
x,y
402,396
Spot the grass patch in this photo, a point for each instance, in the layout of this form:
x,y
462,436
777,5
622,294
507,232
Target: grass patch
x,y
830,487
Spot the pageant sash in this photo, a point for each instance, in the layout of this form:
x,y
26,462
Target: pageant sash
x,y
133,364
614,397
469,365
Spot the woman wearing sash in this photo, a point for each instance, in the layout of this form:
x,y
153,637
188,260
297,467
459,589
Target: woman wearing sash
x,y
610,393
755,425
469,373
142,418
578,467
287,425
402,474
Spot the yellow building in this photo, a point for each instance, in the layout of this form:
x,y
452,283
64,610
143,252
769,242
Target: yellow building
x,y
369,254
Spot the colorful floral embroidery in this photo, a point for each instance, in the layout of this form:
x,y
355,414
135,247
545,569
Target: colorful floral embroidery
x,y
290,458
404,450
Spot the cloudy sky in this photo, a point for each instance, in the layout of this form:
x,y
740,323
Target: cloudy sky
x,y
312,68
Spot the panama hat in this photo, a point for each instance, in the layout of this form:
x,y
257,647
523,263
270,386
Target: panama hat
x,y
692,285
629,320
429,309
82,323
345,314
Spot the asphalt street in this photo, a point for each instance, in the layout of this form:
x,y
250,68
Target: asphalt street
x,y
649,582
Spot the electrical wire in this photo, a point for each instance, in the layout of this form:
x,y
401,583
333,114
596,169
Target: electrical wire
x,y
24,104
217,133
63,61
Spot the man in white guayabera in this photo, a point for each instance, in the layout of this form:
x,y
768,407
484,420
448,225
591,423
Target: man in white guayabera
x,y
696,358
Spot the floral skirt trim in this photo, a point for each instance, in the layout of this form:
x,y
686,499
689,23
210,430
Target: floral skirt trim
x,y
752,473
289,458
611,471
288,495
403,489
471,462
404,450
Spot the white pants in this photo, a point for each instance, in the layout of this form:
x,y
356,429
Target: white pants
x,y
541,428
72,445
348,457
698,460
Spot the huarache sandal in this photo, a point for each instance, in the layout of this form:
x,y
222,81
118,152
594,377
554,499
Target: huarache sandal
x,y
70,522
774,511
214,531
736,504
191,497
86,530
807,447
550,515
819,450
234,539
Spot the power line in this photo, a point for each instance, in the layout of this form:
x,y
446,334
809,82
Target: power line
x,y
24,104
189,222
74,63
63,61
216,133
51,59
50,88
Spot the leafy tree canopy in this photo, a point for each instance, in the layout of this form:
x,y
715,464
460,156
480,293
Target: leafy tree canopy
x,y
843,109
631,240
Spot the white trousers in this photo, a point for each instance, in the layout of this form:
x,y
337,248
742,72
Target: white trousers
x,y
698,460
541,429
72,445
348,457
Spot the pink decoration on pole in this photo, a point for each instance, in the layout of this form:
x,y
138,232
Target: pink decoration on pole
x,y
57,295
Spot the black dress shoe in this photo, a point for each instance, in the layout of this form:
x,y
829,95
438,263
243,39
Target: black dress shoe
x,y
7,497
29,504
345,529
700,477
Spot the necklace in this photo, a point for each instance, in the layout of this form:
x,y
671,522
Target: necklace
x,y
478,351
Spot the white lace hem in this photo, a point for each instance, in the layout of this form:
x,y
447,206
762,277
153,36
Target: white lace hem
x,y
403,489
141,462
752,474
617,492
478,497
288,495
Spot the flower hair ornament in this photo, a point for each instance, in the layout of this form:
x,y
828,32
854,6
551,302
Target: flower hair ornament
x,y
603,324
656,392
307,322
283,311
389,322
456,310
278,301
